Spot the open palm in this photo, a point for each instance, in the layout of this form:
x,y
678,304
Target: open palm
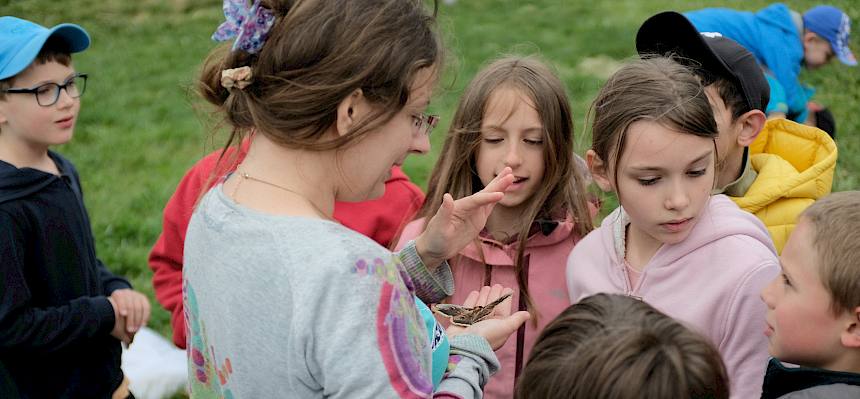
x,y
458,222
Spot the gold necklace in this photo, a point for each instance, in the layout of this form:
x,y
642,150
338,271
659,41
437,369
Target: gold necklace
x,y
246,176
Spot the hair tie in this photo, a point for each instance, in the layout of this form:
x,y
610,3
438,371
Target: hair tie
x,y
237,77
249,25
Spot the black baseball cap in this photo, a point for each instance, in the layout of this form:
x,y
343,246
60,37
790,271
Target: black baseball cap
x,y
671,32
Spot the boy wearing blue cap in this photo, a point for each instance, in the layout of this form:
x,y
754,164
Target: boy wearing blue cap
x,y
784,40
62,313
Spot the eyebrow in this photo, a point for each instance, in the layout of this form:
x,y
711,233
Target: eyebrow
x,y
534,129
69,76
658,169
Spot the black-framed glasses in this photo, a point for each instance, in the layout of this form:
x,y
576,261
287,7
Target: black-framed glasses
x,y
424,124
47,94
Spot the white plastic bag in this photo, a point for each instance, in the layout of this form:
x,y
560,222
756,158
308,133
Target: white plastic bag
x,y
155,368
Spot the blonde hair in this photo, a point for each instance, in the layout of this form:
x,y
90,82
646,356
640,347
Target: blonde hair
x,y
836,239
615,347
562,191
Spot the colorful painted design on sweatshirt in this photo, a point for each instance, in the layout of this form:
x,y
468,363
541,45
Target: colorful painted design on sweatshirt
x,y
453,360
400,333
206,377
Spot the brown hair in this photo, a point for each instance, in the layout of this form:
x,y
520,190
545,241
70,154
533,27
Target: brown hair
x,y
729,92
836,239
656,89
54,50
316,54
616,347
562,190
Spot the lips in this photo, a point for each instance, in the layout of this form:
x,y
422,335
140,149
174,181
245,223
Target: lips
x,y
66,122
518,183
677,225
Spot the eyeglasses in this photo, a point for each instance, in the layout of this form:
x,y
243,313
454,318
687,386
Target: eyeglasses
x,y
47,94
423,124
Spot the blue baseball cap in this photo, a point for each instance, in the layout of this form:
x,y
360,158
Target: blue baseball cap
x,y
834,25
21,41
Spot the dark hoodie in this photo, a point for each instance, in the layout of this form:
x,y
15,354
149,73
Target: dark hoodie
x,y
55,319
808,383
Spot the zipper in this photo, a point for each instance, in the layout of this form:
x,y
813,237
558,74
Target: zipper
x,y
629,290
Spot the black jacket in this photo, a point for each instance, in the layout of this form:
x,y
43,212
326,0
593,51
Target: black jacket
x,y
55,319
808,383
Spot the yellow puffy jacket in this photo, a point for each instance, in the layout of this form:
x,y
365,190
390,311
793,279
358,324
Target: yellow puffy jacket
x,y
795,165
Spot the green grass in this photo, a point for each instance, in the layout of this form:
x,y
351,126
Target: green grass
x,y
139,130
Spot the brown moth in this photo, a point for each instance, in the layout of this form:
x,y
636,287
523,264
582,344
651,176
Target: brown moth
x,y
463,316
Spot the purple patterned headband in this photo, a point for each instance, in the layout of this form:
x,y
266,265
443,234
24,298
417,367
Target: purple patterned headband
x,y
250,26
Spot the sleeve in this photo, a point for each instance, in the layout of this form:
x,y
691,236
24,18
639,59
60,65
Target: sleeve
x,y
369,341
745,347
573,289
787,73
165,259
25,328
430,286
471,364
110,282
778,102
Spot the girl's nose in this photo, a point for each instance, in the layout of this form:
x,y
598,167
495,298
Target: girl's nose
x,y
513,158
678,198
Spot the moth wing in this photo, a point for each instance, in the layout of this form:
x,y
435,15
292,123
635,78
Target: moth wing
x,y
495,303
449,310
485,311
463,320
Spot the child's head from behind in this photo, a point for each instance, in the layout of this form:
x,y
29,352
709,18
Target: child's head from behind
x,y
653,145
825,36
814,305
39,89
614,346
351,76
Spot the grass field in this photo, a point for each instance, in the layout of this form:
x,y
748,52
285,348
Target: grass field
x,y
141,126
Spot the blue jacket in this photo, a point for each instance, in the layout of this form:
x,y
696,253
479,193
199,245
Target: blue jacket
x,y
771,35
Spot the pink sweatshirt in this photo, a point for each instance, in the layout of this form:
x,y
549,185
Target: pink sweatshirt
x,y
710,281
544,258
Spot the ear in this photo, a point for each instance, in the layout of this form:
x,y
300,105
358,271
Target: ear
x,y
599,170
809,37
851,335
751,124
350,111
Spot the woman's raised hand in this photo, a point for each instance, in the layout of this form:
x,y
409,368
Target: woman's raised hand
x,y
457,223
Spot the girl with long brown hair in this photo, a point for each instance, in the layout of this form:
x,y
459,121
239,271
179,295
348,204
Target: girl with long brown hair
x,y
514,114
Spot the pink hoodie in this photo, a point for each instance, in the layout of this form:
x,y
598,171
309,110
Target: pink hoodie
x,y
544,258
710,281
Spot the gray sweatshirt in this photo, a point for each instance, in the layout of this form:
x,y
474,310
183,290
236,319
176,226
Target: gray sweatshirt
x,y
281,306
